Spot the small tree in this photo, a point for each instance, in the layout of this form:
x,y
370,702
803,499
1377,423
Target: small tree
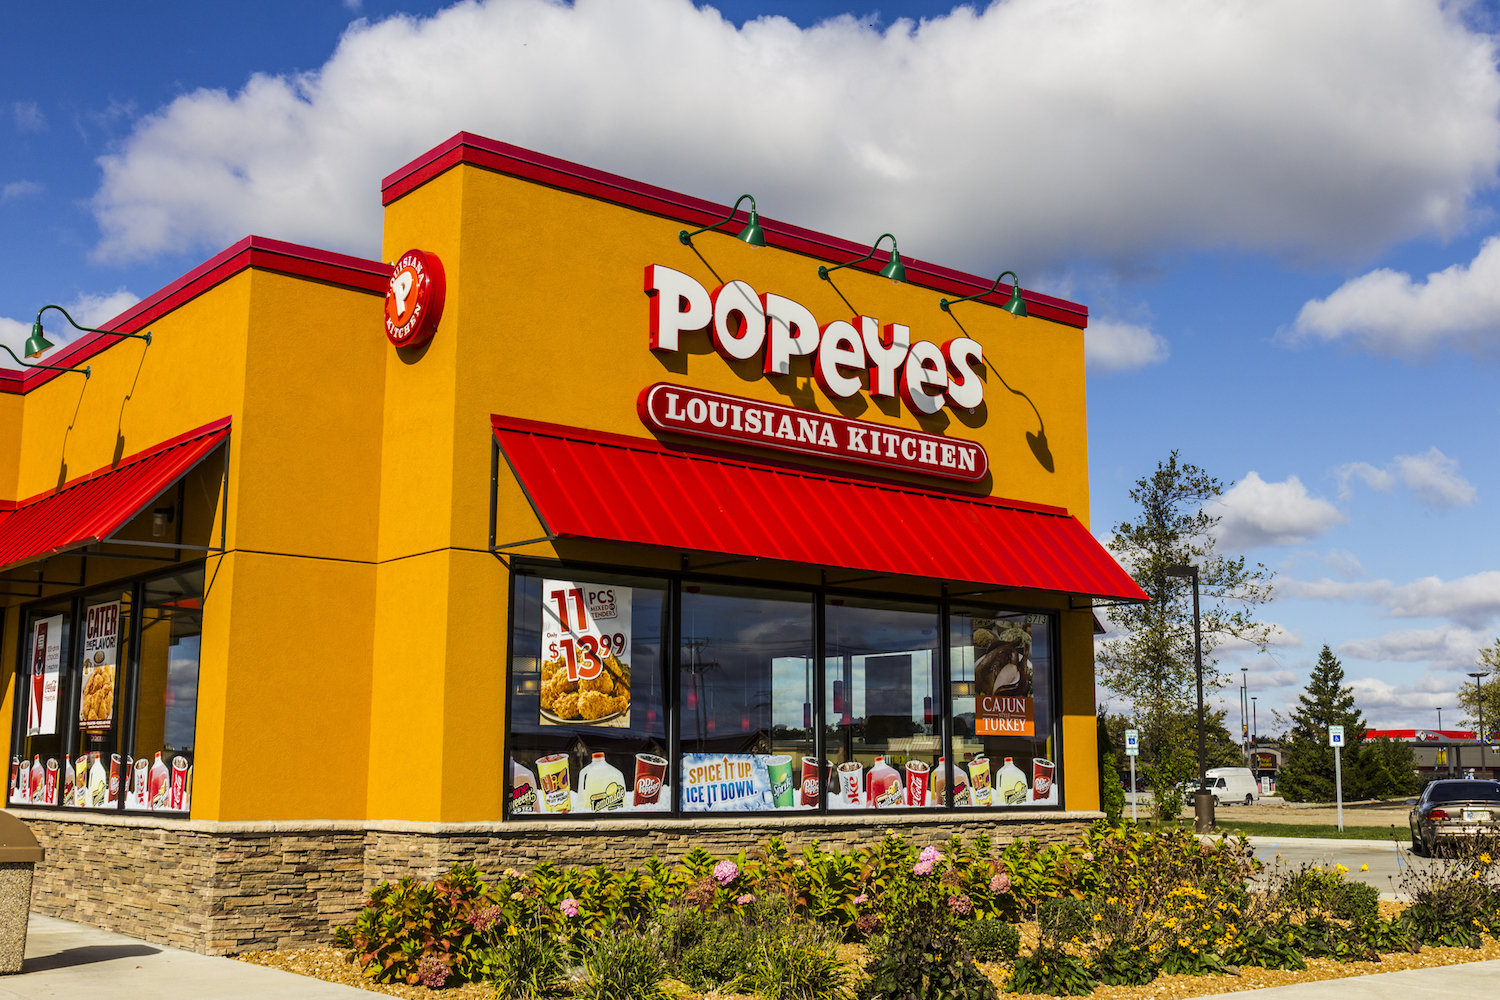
x,y
1111,795
1150,663
1307,766
1488,694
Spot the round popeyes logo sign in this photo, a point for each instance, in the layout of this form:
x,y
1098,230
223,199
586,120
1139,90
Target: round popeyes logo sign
x,y
414,299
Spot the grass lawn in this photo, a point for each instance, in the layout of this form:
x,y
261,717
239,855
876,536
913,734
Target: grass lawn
x,y
1307,830
1230,827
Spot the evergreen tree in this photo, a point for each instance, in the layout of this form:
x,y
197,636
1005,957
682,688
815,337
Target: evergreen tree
x,y
1111,795
1387,769
1307,767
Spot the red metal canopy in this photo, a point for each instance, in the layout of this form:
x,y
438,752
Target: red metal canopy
x,y
90,508
594,485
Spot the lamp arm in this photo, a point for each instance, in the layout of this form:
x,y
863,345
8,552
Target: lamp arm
x,y
85,371
686,238
943,304
824,270
89,329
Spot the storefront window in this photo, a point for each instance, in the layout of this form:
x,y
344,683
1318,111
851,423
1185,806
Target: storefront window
x,y
1001,669
588,725
884,706
746,680
159,775
41,696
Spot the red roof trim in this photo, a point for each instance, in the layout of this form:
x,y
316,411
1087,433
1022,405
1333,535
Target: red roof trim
x,y
252,251
543,429
505,158
92,508
634,488
212,427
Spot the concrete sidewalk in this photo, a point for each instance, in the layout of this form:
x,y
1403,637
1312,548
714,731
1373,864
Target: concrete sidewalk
x,y
1472,979
65,959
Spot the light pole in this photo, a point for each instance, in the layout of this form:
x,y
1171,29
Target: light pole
x,y
1479,675
1244,722
1254,725
1203,801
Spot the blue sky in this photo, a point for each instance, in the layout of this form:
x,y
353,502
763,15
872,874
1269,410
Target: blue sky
x,y
1235,189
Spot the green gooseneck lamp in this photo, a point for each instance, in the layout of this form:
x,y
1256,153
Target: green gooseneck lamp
x,y
895,270
1016,306
751,234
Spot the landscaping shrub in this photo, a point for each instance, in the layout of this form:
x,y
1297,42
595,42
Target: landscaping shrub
x,y
798,961
709,951
409,928
1455,897
625,966
532,962
991,940
1053,972
925,964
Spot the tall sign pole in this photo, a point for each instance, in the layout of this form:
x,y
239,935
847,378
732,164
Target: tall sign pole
x,y
1132,748
1336,740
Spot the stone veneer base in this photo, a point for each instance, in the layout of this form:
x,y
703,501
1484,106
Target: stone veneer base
x,y
224,888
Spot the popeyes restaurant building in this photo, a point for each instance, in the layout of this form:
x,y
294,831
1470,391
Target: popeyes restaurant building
x,y
561,536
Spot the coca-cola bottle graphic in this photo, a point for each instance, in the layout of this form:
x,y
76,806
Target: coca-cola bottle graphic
x,y
161,783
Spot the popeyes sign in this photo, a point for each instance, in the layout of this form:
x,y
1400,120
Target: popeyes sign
x,y
745,324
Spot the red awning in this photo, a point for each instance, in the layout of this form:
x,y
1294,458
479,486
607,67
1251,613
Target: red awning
x,y
593,485
91,508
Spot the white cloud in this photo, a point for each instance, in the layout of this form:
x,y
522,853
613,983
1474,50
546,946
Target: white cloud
x,y
1260,513
19,189
88,310
1344,562
1445,647
1025,134
29,117
1472,601
1110,347
1432,477
1404,706
1387,313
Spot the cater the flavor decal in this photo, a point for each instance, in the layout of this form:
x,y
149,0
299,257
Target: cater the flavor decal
x,y
699,413
846,358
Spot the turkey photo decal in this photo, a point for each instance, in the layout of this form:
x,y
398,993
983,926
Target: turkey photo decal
x,y
414,298
1002,678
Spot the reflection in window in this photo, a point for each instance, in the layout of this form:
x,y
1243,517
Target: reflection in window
x,y
1002,709
884,707
159,774
588,726
746,679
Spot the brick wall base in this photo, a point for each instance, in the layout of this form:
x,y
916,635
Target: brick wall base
x,y
225,888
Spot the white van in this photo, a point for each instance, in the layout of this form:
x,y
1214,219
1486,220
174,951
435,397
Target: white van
x,y
1233,784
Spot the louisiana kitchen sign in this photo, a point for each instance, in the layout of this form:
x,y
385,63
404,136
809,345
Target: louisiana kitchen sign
x,y
846,356
698,413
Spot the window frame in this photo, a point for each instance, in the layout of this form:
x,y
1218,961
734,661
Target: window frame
x,y
820,594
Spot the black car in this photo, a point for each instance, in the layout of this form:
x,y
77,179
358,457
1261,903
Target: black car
x,y
1452,809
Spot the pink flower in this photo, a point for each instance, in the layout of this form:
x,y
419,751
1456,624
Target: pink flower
x,y
961,904
744,900
1000,883
433,972
922,868
1088,855
486,918
570,907
931,853
861,899
726,872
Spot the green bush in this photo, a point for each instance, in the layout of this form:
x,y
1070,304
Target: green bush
x,y
924,963
1123,966
533,962
624,966
1053,972
410,926
1265,949
1455,899
709,951
798,961
991,940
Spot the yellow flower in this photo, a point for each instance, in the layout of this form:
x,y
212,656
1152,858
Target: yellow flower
x,y
1341,869
1364,868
